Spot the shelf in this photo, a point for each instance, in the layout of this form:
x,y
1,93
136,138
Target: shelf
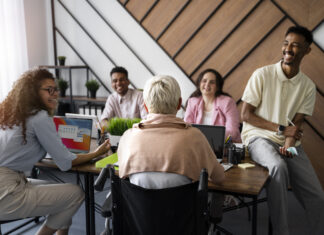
x,y
84,98
63,67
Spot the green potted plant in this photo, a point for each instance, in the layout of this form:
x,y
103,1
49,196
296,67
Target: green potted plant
x,y
92,86
63,85
117,126
61,60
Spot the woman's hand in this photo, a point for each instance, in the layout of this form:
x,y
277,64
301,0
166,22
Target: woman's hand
x,y
103,148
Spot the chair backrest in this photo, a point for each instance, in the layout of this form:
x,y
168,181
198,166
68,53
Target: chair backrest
x,y
178,210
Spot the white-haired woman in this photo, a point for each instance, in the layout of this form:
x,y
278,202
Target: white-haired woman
x,y
163,151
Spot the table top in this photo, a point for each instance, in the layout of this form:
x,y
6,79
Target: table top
x,y
248,181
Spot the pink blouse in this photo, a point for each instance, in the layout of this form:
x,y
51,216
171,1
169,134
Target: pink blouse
x,y
225,113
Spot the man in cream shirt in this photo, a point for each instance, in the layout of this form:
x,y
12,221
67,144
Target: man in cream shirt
x,y
276,99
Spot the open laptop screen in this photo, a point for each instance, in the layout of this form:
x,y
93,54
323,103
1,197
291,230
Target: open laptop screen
x,y
215,136
75,133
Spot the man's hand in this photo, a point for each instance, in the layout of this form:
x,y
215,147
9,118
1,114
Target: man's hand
x,y
289,142
293,131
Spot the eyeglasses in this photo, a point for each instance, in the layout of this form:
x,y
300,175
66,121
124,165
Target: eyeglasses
x,y
50,90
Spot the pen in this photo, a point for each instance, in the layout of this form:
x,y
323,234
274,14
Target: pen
x,y
290,122
227,139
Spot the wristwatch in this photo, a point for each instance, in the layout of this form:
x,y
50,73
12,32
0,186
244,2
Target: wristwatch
x,y
280,130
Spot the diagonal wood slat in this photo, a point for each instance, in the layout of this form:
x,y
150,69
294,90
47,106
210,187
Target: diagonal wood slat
x,y
228,16
305,12
138,8
314,147
317,119
312,65
257,24
189,21
161,16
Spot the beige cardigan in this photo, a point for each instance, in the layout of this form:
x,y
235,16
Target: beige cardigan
x,y
165,143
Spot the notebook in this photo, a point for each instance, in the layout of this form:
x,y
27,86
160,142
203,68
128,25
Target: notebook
x,y
75,133
215,136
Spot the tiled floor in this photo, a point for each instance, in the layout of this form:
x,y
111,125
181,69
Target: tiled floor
x,y
234,221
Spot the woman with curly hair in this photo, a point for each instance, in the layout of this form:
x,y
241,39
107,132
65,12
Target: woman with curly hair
x,y
27,132
209,105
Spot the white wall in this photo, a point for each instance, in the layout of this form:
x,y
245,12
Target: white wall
x,y
319,35
39,33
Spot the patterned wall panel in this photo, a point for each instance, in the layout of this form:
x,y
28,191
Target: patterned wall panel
x,y
304,12
195,14
159,19
235,37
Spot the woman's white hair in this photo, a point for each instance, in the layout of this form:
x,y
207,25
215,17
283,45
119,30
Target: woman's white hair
x,y
161,94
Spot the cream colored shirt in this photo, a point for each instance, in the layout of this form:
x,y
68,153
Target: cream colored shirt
x,y
131,105
276,99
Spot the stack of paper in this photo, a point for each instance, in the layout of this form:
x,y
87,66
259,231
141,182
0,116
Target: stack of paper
x,y
246,165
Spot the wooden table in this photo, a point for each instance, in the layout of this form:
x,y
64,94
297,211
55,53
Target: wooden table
x,y
243,182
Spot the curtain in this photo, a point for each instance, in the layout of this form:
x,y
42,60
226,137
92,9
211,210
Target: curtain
x,y
13,44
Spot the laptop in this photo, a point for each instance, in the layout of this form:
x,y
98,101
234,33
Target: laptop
x,y
95,121
75,133
215,136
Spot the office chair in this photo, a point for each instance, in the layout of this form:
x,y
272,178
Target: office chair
x,y
136,210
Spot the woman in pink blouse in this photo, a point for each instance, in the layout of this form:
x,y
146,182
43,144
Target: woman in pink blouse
x,y
209,105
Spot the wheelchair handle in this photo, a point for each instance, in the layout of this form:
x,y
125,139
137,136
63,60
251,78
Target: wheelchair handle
x,y
203,180
101,180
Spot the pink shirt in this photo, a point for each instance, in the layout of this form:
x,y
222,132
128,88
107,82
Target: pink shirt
x,y
131,105
225,113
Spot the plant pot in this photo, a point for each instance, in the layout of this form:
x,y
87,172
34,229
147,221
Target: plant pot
x,y
61,61
93,94
62,92
114,139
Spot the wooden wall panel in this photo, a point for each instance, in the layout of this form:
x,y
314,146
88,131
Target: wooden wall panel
x,y
258,24
305,12
314,147
138,8
235,38
229,15
162,15
189,21
317,119
313,66
236,82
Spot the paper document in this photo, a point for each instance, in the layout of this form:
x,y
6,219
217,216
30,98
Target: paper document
x,y
246,165
227,166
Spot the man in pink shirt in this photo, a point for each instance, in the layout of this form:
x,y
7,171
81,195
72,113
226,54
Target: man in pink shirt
x,y
124,102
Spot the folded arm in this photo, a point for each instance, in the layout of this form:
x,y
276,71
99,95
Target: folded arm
x,y
292,133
